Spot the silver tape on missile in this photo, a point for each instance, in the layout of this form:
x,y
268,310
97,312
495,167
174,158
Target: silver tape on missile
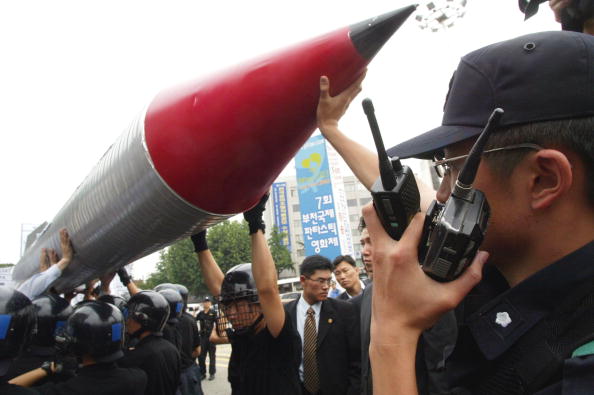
x,y
121,212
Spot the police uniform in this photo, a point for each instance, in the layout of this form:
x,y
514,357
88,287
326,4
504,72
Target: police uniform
x,y
103,378
207,321
160,361
533,338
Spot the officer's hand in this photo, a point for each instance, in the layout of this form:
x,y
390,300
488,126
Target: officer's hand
x,y
67,249
254,215
404,297
44,263
199,241
332,108
125,278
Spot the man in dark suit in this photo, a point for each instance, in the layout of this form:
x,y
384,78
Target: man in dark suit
x,y
347,275
335,368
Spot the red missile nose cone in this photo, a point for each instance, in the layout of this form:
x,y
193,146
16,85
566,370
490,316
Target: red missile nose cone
x,y
220,142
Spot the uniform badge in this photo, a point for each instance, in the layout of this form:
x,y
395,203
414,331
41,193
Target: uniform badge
x,y
503,319
330,320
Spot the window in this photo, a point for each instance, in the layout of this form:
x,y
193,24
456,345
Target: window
x,y
296,208
352,202
364,201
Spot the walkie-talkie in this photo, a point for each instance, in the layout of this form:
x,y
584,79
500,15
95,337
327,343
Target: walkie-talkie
x,y
395,194
454,230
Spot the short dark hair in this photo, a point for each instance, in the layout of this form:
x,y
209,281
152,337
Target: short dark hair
x,y
362,224
344,258
314,262
576,135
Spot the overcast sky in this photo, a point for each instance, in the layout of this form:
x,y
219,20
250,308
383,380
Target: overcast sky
x,y
75,73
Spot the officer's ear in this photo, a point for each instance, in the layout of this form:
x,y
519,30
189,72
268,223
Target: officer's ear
x,y
551,178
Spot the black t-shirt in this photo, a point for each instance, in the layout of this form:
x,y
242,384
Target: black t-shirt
x,y
9,389
207,321
34,357
190,339
172,335
268,365
160,361
104,378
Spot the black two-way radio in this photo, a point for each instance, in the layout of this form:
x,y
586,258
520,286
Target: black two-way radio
x,y
395,194
454,230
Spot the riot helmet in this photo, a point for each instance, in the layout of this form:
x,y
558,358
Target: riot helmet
x,y
176,304
52,312
182,289
17,318
239,301
117,301
149,309
96,329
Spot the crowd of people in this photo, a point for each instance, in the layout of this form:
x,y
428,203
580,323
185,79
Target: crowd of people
x,y
518,320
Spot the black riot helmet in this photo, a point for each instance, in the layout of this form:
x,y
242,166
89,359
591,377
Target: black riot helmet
x,y
117,301
239,284
96,329
52,313
182,289
150,309
238,288
176,304
16,321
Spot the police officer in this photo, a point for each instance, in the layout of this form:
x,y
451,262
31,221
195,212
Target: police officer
x,y
526,321
16,321
207,319
51,314
94,333
190,344
147,313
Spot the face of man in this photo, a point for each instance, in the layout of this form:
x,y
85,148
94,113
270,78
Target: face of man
x,y
206,305
367,252
241,313
346,275
131,326
316,286
508,221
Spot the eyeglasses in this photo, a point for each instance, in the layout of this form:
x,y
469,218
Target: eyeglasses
x,y
321,281
443,167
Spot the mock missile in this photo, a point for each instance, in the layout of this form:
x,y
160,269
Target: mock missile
x,y
203,151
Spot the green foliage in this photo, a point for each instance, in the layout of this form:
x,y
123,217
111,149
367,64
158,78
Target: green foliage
x,y
229,243
280,253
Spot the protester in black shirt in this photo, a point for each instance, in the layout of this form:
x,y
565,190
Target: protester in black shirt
x,y
190,343
147,313
268,345
17,319
94,333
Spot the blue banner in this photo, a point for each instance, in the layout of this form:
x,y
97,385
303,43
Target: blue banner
x,y
281,212
316,201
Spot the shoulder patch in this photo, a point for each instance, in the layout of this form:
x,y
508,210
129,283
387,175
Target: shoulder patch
x,y
583,350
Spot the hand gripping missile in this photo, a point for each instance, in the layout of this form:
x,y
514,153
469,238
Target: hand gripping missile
x,y
203,151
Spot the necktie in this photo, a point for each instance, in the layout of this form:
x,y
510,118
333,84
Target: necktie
x,y
311,380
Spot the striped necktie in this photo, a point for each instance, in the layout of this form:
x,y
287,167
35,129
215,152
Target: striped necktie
x,y
311,380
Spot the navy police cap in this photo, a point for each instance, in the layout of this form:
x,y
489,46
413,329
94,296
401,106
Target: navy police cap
x,y
538,77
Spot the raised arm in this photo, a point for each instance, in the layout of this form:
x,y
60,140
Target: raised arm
x,y
264,270
361,161
126,280
211,272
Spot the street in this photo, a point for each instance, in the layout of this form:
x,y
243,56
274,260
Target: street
x,y
220,385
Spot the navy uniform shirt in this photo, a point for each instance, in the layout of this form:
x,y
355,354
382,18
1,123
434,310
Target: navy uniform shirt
x,y
493,318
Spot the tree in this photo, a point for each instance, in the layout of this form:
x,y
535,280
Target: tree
x,y
280,253
229,243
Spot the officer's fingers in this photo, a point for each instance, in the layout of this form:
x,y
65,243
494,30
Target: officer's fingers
x,y
378,235
53,257
461,286
354,89
412,235
324,87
